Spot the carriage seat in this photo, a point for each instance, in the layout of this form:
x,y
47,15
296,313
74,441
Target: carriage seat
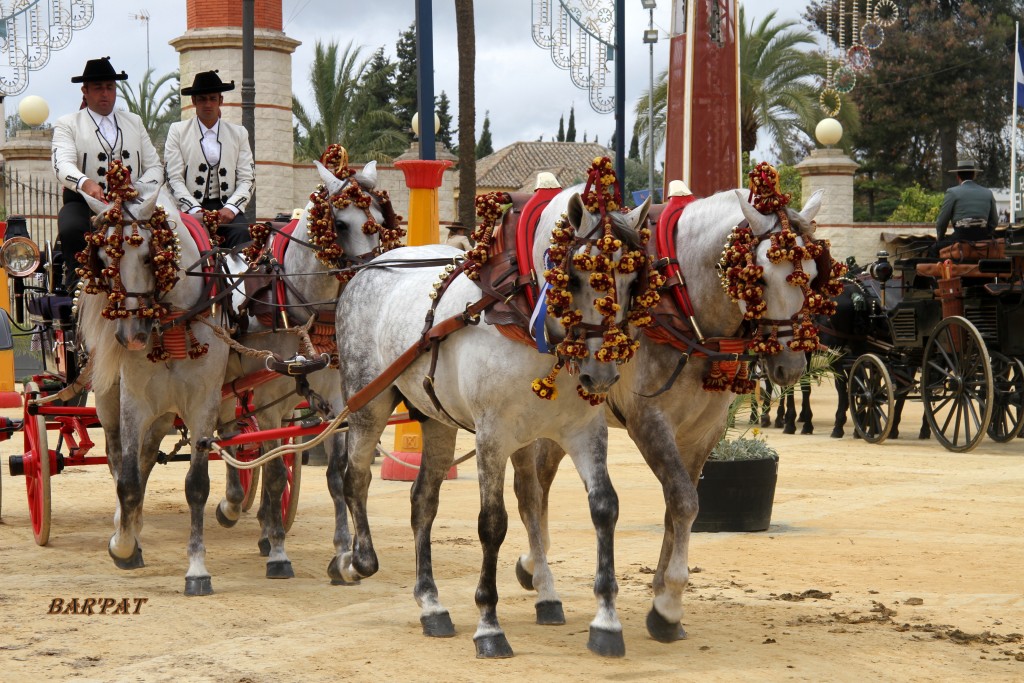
x,y
981,259
51,307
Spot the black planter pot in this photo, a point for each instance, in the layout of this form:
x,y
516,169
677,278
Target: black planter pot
x,y
736,495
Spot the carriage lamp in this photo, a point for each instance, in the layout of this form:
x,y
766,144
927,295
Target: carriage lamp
x,y
882,271
33,110
19,256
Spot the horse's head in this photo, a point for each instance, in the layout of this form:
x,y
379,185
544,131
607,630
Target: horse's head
x,y
595,264
783,300
348,220
131,256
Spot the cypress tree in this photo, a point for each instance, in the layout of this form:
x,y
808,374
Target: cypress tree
x,y
570,134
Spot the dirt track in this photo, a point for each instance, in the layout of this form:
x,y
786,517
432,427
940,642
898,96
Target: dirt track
x,y
892,562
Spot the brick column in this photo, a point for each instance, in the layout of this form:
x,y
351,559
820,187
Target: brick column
x,y
213,40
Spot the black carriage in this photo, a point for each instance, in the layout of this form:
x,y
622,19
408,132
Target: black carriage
x,y
54,397
948,331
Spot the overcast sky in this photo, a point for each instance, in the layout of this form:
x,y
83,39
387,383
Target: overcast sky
x,y
515,80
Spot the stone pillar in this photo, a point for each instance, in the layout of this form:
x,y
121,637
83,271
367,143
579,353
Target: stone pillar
x,y
33,191
213,40
830,170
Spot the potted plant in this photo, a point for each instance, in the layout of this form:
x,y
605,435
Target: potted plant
x,y
737,485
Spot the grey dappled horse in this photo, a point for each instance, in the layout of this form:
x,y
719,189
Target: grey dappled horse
x,y
483,383
676,430
312,288
137,399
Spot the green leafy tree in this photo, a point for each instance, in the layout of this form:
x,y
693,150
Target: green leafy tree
x,y
157,111
561,129
570,132
333,80
442,105
634,147
917,205
484,146
939,88
406,88
376,132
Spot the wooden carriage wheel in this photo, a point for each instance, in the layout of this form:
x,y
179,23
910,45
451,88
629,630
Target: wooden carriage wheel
x,y
956,384
36,463
872,400
1007,398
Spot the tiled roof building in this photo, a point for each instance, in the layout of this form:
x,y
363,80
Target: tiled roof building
x,y
515,168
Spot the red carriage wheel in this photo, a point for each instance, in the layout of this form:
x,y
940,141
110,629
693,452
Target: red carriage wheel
x,y
36,463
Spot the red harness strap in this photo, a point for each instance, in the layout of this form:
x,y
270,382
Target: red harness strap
x,y
665,244
202,240
527,230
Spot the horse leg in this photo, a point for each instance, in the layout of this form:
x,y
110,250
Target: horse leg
x,y
780,414
365,428
229,509
438,455
589,453
275,478
766,405
790,414
197,491
535,470
806,414
842,407
123,547
492,525
337,461
664,620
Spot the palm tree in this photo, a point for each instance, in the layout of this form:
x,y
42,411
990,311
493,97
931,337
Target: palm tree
x,y
333,81
157,113
777,89
466,38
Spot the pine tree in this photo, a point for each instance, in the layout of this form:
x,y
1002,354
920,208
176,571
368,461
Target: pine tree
x,y
484,146
405,76
570,135
561,129
634,147
377,133
584,136
442,105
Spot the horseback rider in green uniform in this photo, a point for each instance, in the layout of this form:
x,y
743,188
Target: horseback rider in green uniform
x,y
970,207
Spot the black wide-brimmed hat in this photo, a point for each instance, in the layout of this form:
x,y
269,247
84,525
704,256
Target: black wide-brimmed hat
x,y
965,166
99,70
206,82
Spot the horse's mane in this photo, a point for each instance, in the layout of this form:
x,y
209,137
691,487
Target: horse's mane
x,y
97,334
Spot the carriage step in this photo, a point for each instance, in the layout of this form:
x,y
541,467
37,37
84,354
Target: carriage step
x,y
8,426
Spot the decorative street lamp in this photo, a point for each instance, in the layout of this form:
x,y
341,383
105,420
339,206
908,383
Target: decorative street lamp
x,y
650,37
33,110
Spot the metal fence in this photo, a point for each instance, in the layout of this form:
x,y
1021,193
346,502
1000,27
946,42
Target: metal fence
x,y
35,197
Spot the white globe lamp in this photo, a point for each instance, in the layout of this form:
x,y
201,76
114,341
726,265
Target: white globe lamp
x,y
33,110
828,132
416,123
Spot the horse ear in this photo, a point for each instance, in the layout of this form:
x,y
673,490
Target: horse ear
x,y
148,202
812,206
638,216
367,177
759,223
99,208
578,216
329,180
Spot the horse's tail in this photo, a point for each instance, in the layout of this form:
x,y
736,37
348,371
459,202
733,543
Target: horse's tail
x,y
96,333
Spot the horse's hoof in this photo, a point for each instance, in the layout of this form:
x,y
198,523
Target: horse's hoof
x,y
134,561
837,434
549,613
894,434
280,569
337,578
790,429
198,585
766,422
438,625
223,520
264,545
493,647
924,435
525,577
779,423
808,428
664,631
606,643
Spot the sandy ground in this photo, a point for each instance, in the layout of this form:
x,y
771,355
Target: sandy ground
x,y
892,562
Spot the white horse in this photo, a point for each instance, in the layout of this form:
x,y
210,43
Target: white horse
x,y
312,289
481,381
138,266
675,430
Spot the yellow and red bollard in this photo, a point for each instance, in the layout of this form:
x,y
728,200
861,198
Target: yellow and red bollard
x,y
423,177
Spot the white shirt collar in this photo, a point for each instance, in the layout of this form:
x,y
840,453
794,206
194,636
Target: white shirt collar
x,y
215,128
99,118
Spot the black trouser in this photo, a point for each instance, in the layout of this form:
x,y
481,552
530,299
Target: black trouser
x,y
234,233
72,224
960,235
